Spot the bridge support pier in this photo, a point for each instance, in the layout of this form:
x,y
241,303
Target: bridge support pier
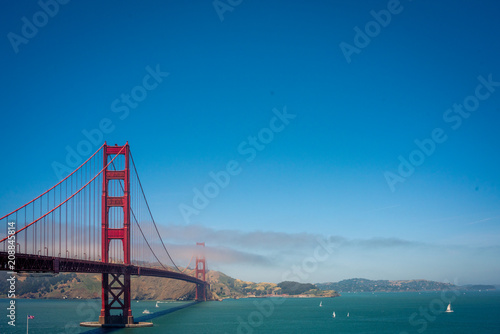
x,y
119,291
201,292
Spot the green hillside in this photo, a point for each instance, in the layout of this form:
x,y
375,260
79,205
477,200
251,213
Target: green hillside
x,y
366,285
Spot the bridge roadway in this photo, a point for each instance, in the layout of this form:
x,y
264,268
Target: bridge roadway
x,y
39,263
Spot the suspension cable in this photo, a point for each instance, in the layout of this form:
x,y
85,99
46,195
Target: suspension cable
x,y
188,264
53,186
139,226
152,251
147,205
38,219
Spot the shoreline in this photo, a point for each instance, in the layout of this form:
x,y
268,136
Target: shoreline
x,y
270,296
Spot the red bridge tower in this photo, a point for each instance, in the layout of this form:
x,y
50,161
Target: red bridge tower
x,y
200,272
116,286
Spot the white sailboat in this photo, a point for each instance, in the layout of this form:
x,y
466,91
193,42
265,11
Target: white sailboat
x,y
320,304
448,309
157,304
146,311
348,314
333,314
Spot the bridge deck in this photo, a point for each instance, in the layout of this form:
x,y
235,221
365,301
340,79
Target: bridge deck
x,y
36,263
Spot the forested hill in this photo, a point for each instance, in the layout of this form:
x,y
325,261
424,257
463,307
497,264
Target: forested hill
x,y
366,285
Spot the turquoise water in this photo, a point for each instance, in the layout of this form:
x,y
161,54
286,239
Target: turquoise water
x,y
474,312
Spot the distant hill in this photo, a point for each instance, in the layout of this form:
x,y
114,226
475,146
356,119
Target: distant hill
x,y
294,288
366,285
226,287
88,286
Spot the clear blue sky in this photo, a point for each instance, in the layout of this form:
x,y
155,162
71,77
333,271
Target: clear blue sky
x,y
324,174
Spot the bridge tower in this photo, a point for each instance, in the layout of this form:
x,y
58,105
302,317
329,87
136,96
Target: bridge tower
x,y
200,272
116,287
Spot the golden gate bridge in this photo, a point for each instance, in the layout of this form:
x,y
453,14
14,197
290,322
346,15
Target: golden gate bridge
x,y
95,220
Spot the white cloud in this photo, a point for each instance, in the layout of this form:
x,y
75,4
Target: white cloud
x,y
265,256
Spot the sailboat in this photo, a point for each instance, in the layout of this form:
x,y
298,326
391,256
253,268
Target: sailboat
x,y
157,304
348,314
333,314
448,309
320,304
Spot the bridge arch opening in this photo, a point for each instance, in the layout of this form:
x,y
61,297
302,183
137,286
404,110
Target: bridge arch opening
x,y
116,254
115,188
115,217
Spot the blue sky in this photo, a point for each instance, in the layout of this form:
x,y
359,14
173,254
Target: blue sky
x,y
323,174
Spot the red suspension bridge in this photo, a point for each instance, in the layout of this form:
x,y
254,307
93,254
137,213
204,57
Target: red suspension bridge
x,y
96,220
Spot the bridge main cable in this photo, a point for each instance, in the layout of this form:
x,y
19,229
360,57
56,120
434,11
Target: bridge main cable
x,y
58,206
137,222
152,218
140,229
73,172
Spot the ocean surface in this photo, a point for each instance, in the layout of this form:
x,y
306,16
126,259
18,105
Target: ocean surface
x,y
412,312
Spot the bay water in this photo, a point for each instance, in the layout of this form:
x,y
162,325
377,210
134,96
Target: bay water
x,y
401,313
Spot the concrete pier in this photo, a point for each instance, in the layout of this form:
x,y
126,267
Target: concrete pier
x,y
97,324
